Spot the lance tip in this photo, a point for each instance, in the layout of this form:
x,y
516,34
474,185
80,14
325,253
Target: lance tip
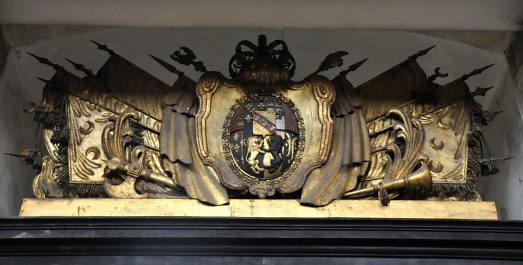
x,y
354,66
43,80
422,52
481,91
477,71
103,47
40,59
15,155
171,68
32,54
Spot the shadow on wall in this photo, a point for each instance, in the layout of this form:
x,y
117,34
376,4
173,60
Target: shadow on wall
x,y
505,136
4,49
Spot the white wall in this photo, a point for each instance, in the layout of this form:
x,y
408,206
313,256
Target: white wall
x,y
215,47
354,14
505,137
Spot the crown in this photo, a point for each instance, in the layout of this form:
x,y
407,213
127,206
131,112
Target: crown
x,y
262,64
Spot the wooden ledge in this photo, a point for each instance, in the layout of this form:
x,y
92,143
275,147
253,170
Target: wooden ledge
x,y
259,208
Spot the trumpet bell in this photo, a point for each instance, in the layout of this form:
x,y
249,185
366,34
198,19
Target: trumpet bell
x,y
420,179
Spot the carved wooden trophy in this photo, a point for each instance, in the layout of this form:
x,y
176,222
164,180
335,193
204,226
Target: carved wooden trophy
x,y
258,136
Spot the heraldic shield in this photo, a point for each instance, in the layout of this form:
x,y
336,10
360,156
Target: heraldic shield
x,y
265,139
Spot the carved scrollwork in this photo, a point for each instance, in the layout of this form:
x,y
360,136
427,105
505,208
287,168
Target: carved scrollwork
x,y
129,172
117,135
82,133
411,131
143,162
45,184
116,138
403,155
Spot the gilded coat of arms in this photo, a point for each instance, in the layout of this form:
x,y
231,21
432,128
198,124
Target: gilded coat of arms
x,y
258,134
262,131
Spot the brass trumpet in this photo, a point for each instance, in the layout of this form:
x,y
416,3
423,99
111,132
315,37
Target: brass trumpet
x,y
421,178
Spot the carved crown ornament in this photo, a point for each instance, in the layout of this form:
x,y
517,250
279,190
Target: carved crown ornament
x,y
122,133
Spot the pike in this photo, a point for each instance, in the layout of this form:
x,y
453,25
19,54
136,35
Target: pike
x,y
16,155
353,67
331,61
81,67
171,68
489,115
480,91
421,53
495,159
103,47
46,61
476,72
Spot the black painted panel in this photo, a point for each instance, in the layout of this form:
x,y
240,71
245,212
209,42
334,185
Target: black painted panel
x,y
258,241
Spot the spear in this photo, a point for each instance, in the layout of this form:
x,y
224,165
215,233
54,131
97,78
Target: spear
x,y
353,67
171,68
489,115
81,67
476,72
103,47
480,91
46,61
331,61
421,53
495,159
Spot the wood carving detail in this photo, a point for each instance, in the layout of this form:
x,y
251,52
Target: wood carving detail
x,y
123,133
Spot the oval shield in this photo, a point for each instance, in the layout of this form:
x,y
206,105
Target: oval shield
x,y
263,137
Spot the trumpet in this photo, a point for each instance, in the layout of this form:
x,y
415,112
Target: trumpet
x,y
421,178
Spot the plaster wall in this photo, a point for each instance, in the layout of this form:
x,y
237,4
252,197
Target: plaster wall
x,y
355,14
506,134
19,85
